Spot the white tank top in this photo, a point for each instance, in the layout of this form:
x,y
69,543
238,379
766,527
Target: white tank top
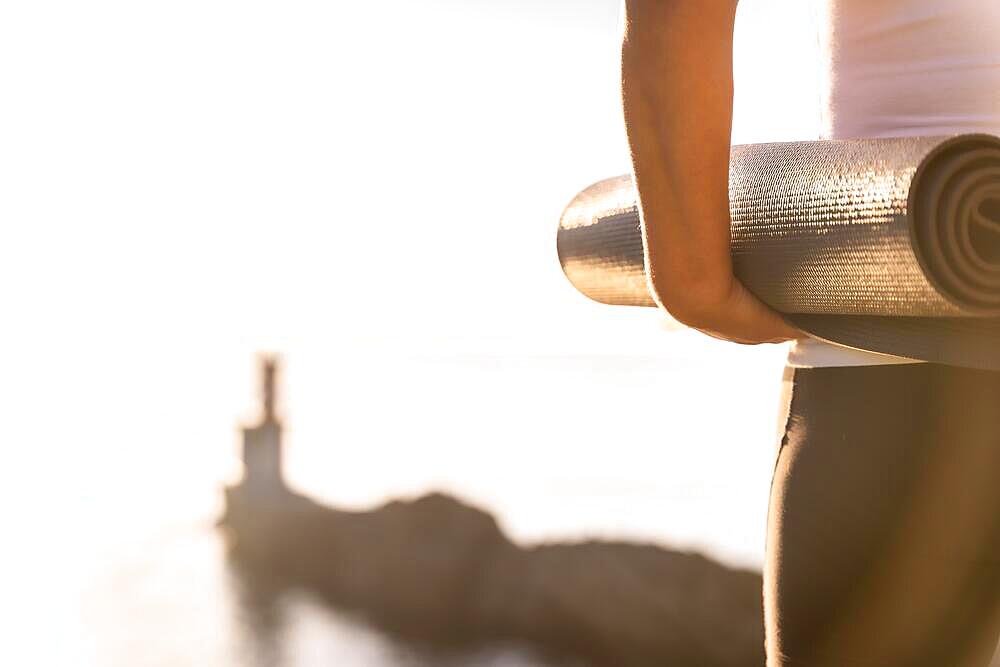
x,y
892,68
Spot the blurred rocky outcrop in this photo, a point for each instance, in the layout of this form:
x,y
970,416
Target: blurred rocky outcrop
x,y
439,570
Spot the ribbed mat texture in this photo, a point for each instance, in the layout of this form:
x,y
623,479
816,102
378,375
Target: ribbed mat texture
x,y
888,245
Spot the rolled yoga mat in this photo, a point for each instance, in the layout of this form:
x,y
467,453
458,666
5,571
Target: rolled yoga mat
x,y
886,245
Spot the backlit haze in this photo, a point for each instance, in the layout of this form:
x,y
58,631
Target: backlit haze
x,y
370,190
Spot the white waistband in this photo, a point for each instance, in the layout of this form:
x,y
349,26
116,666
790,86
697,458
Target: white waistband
x,y
815,353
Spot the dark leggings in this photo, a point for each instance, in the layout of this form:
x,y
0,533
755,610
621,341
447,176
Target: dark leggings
x,y
883,543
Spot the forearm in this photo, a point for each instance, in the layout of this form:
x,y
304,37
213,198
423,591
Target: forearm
x,y
677,92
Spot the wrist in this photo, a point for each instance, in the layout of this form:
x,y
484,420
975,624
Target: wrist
x,y
693,297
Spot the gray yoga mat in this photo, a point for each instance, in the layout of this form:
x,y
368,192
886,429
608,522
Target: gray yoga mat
x,y
885,245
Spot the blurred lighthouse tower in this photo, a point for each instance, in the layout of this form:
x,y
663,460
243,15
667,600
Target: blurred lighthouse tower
x,y
262,473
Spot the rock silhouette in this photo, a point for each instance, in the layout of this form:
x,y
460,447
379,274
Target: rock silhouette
x,y
442,571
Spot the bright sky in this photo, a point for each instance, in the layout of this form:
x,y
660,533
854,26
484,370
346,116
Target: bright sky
x,y
185,183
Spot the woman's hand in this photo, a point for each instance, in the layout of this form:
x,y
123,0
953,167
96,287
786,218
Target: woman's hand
x,y
677,94
725,310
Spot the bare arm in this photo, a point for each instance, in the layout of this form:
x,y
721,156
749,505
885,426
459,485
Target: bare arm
x,y
677,92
